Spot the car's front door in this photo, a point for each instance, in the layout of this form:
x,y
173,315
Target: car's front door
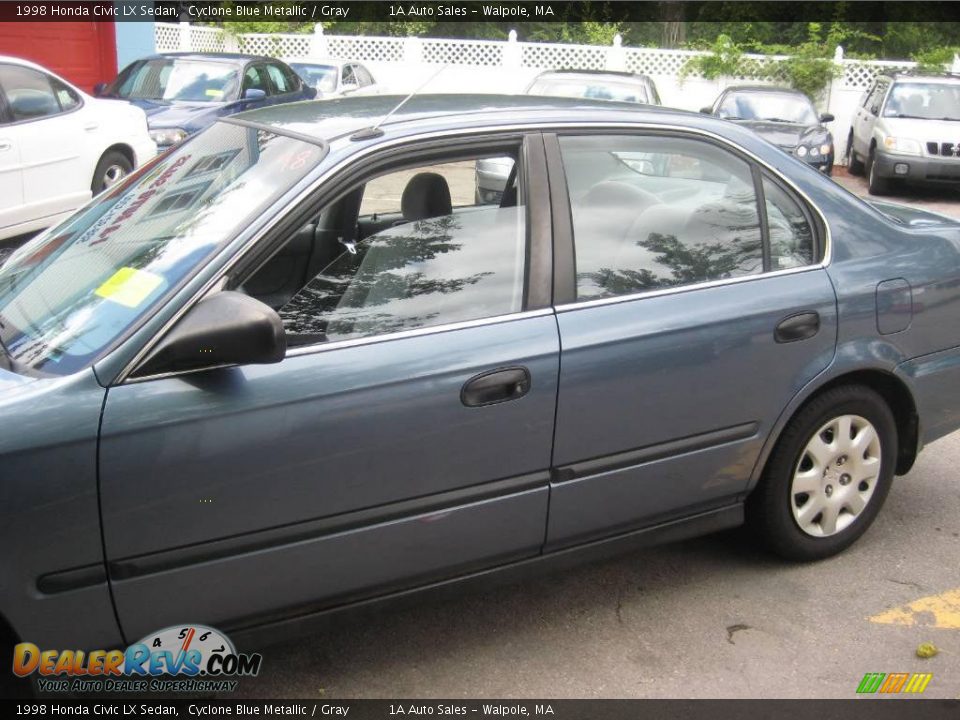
x,y
406,437
694,311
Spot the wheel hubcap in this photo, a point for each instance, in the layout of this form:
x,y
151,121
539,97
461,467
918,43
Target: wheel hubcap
x,y
836,476
113,175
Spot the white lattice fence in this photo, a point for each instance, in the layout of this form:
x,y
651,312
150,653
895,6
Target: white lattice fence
x,y
276,45
369,49
166,37
548,56
478,53
657,62
858,74
206,39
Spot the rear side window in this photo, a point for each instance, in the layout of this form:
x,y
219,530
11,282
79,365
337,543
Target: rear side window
x,y
30,96
790,231
658,212
279,83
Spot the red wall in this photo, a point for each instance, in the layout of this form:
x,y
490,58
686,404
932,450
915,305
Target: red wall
x,y
82,52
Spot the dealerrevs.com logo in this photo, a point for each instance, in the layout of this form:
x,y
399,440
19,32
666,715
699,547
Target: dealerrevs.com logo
x,y
183,658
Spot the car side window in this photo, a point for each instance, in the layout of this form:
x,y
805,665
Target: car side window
x,y
66,96
656,212
30,95
363,75
407,257
294,82
279,83
348,76
791,234
253,79
877,98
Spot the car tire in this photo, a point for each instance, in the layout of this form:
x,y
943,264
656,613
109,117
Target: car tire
x,y
854,166
876,185
112,168
816,498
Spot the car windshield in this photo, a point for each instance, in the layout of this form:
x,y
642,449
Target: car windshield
x,y
70,294
177,80
595,89
926,101
771,106
321,77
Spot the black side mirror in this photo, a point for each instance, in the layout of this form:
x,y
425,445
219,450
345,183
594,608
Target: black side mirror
x,y
827,117
228,328
99,89
706,110
254,94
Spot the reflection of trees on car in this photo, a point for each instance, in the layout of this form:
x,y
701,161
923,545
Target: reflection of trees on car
x,y
688,263
354,294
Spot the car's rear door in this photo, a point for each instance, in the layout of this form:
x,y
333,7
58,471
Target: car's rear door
x,y
692,307
411,444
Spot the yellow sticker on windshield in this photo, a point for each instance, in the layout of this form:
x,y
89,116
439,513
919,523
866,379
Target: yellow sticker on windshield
x,y
214,93
129,286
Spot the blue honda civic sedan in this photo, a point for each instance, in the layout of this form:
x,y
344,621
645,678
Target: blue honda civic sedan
x,y
292,365
183,93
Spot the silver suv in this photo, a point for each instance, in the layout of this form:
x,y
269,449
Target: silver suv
x,y
907,127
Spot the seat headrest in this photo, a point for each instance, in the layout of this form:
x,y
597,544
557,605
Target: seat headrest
x,y
426,195
613,193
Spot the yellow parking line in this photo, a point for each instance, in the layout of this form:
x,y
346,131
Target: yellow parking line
x,y
938,611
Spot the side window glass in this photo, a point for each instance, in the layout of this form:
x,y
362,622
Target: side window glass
x,y
363,75
253,79
278,81
791,237
29,93
416,252
658,212
349,77
292,79
66,96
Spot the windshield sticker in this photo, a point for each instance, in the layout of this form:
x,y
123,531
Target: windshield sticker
x,y
214,93
129,287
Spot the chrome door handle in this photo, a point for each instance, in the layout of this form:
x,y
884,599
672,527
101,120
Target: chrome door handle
x,y
90,127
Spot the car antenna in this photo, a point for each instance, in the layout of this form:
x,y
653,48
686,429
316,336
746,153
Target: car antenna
x,y
375,131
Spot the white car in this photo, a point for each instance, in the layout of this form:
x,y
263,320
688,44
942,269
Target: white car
x,y
332,77
59,146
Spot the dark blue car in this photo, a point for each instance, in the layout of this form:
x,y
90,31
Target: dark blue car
x,y
183,93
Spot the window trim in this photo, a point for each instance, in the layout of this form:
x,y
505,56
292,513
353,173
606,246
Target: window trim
x,y
565,267
6,117
306,200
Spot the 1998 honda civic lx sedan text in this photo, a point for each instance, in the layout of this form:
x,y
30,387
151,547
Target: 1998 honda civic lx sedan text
x,y
290,365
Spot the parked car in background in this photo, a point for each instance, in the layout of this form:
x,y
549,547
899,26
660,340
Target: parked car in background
x,y
183,93
332,77
783,117
295,375
491,173
59,146
596,85
907,127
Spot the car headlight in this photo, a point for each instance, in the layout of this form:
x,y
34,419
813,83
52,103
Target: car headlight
x,y
168,136
814,151
902,145
826,149
801,151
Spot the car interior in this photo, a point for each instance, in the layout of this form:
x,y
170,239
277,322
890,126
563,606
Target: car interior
x,y
343,232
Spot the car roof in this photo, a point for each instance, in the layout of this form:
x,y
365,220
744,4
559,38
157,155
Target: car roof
x,y
764,88
940,79
326,120
335,62
612,74
216,56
